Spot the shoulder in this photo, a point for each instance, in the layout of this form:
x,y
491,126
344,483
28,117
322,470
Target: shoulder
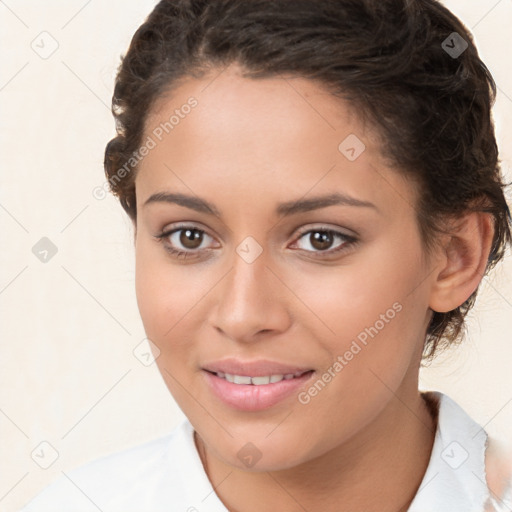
x,y
498,470
126,480
466,471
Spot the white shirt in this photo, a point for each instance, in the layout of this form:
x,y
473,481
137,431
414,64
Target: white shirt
x,y
167,475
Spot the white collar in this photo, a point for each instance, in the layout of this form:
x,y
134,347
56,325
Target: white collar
x,y
455,480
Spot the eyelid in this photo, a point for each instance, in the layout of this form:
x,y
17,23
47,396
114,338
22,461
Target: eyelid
x,y
174,226
166,232
325,227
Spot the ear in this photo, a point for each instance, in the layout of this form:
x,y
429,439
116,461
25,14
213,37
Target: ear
x,y
462,262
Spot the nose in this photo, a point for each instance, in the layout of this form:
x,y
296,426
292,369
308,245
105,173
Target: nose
x,y
252,301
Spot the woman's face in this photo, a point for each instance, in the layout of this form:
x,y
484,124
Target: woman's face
x,y
299,253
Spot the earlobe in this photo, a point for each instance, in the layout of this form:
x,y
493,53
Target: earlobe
x,y
464,261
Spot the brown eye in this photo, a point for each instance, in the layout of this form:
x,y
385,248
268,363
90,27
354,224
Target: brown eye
x,y
187,242
324,241
190,238
321,240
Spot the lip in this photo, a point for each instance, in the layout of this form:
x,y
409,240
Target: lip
x,y
248,397
257,368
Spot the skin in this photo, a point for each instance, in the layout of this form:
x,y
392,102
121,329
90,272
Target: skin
x,y
364,441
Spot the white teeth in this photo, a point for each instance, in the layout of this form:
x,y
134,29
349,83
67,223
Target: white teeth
x,y
257,381
240,379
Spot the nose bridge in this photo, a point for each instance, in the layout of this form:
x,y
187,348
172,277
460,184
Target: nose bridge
x,y
247,285
250,300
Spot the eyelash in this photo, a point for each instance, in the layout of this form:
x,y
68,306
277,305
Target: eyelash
x,y
348,241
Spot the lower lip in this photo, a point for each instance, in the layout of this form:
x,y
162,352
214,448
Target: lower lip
x,y
248,397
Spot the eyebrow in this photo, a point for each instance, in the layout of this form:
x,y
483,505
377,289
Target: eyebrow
x,y
192,202
315,203
283,209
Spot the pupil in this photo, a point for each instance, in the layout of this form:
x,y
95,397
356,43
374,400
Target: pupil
x,y
190,237
321,239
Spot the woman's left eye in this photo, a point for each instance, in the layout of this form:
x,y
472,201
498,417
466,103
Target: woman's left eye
x,y
323,240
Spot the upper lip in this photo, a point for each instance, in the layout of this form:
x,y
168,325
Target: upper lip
x,y
256,368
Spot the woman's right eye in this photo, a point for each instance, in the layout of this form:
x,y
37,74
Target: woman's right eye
x,y
184,241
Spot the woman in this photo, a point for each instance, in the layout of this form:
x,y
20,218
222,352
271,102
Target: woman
x,y
315,191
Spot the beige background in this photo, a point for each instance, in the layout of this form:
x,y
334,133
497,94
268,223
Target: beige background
x,y
69,326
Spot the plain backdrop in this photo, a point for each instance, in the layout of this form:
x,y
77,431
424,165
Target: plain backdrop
x,y
72,388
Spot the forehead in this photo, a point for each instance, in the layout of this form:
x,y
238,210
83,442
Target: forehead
x,y
277,110
275,138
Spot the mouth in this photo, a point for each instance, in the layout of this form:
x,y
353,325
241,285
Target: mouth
x,y
256,393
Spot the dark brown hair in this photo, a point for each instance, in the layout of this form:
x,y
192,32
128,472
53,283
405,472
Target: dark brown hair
x,y
403,64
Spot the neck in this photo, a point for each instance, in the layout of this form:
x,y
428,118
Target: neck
x,y
379,469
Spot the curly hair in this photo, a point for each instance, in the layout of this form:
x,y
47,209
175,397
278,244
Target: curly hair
x,y
390,59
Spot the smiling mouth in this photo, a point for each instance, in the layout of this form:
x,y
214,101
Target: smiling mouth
x,y
258,381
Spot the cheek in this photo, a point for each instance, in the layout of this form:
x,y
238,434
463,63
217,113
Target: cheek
x,y
367,292
163,301
161,294
369,360
170,297
375,309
